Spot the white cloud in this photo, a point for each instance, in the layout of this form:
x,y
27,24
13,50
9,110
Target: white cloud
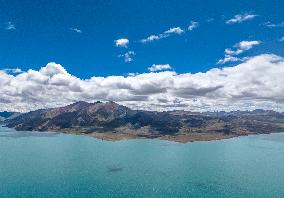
x,y
165,34
210,20
281,39
76,30
255,83
228,58
273,25
10,26
13,71
159,67
123,42
246,45
238,48
150,38
229,51
239,18
128,56
175,30
193,25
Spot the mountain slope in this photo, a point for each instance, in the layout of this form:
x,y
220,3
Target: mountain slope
x,y
7,115
92,117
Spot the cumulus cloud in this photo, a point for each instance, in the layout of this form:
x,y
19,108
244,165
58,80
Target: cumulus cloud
x,y
150,38
10,26
192,25
165,34
176,30
76,30
238,48
128,56
123,42
159,67
239,18
255,83
246,45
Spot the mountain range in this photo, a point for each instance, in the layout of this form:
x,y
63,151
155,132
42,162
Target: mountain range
x,y
113,121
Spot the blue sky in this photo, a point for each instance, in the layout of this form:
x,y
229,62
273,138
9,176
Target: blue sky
x,y
43,33
155,55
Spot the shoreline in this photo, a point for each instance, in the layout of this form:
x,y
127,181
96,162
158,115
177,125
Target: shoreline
x,y
179,138
183,139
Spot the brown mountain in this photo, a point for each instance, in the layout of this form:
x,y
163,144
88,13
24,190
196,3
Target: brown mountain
x,y
113,121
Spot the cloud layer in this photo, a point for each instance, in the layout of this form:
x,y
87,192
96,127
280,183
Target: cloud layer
x,y
256,83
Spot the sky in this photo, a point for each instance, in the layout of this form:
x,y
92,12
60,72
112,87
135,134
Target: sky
x,y
158,55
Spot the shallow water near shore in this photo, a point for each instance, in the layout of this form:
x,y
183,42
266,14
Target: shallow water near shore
x,y
60,165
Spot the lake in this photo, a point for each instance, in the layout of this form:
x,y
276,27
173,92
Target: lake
x,y
59,165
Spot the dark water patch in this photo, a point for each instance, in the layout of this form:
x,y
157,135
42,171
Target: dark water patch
x,y
164,174
28,134
114,169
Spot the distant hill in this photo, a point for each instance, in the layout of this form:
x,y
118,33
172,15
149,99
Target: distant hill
x,y
6,115
111,120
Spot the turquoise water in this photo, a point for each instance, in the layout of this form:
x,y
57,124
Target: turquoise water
x,y
56,165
